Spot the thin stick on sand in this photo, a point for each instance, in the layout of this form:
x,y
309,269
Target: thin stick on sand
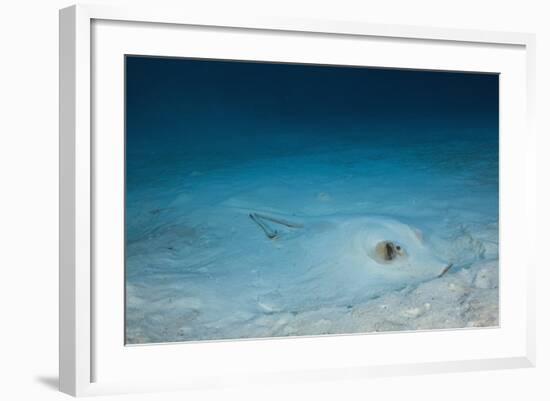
x,y
279,220
271,234
445,270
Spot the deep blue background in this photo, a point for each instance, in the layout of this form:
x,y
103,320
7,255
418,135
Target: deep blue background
x,y
185,108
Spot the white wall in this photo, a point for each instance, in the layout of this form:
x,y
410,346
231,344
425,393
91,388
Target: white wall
x,y
28,201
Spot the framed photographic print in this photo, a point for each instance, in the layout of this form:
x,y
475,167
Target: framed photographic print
x,y
277,200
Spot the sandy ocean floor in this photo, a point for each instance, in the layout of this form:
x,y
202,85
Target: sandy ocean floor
x,y
198,268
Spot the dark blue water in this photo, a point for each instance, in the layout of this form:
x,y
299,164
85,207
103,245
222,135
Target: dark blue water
x,y
208,142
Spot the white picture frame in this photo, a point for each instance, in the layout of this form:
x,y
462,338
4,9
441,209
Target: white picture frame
x,y
85,350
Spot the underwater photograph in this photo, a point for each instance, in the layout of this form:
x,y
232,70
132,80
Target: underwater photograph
x,y
269,200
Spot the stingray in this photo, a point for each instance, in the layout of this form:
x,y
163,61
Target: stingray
x,y
248,261
344,258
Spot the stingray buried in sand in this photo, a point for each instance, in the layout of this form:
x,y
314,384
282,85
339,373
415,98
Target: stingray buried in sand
x,y
278,199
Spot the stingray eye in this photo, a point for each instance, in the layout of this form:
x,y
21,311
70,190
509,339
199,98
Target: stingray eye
x,y
388,252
